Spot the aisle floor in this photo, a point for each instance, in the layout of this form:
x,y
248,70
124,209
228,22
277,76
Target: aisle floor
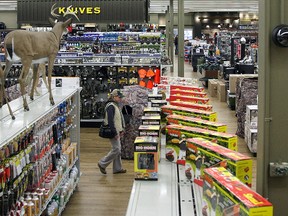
x,y
100,195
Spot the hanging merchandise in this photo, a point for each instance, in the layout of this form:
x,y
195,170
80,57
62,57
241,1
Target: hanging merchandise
x,y
150,74
142,74
157,76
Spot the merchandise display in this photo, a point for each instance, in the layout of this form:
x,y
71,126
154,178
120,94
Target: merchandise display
x,y
42,147
188,93
202,154
174,132
205,115
224,194
198,100
196,122
146,153
151,120
189,104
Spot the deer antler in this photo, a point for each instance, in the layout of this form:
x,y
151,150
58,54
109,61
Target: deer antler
x,y
68,11
53,8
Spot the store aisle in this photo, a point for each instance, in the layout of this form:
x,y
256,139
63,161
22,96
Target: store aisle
x,y
99,195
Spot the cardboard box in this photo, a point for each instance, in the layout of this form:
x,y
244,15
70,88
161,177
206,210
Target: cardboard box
x,y
224,139
151,120
155,97
188,93
221,91
251,116
202,153
149,130
192,105
186,87
233,80
251,138
152,111
206,115
212,87
146,158
196,122
224,194
231,100
188,98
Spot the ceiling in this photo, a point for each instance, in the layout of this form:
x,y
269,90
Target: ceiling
x,y
160,6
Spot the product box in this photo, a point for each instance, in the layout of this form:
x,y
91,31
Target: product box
x,y
152,111
188,98
231,100
221,91
149,130
151,120
155,97
188,93
224,139
202,153
192,105
158,103
251,138
196,122
252,116
206,115
233,80
224,194
146,158
212,87
186,87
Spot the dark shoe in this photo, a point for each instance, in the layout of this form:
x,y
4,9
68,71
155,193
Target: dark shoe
x,y
102,170
120,171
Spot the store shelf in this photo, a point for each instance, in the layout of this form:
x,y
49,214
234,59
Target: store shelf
x,y
64,177
39,107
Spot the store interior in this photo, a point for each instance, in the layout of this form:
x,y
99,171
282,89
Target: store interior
x,y
199,72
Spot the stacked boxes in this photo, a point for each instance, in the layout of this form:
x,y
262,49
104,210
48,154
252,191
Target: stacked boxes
x,y
146,158
188,93
251,121
149,130
206,115
231,100
199,100
151,120
158,103
189,88
202,154
196,122
221,91
192,105
233,80
224,194
174,132
212,87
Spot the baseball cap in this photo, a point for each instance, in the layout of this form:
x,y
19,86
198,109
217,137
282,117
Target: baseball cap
x,y
117,92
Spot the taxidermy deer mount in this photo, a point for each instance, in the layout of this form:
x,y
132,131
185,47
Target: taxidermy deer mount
x,y
32,48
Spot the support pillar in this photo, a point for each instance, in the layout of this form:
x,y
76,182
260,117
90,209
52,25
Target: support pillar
x,y
181,38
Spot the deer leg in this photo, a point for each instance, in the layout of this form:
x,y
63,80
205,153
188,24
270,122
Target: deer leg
x,y
35,75
50,67
22,78
7,102
43,72
3,94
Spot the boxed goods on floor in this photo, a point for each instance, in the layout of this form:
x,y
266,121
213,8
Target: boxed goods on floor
x,y
188,93
233,80
221,91
149,130
196,122
192,105
186,87
202,153
198,100
224,194
158,103
146,158
231,100
155,97
212,87
252,116
174,132
206,115
151,111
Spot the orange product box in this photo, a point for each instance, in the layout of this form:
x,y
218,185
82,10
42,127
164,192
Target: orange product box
x,y
202,153
196,122
186,87
224,139
224,194
170,109
188,93
192,105
198,100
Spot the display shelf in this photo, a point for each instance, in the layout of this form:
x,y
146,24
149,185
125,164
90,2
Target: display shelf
x,y
39,107
64,177
69,196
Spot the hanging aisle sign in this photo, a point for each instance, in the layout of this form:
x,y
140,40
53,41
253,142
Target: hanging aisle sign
x,y
95,11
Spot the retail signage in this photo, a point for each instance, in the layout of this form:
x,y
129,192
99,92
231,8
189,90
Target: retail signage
x,y
37,12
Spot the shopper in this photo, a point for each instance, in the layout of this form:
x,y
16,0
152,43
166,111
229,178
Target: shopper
x,y
176,44
115,120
